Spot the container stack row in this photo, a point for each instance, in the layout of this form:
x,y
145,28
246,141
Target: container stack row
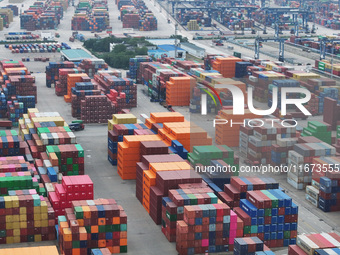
x,y
135,14
180,136
52,72
43,15
92,66
6,17
79,92
90,16
187,16
134,66
91,224
125,87
59,166
323,193
18,90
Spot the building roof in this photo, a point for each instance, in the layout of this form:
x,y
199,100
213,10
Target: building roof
x,y
192,46
75,54
162,41
157,51
169,47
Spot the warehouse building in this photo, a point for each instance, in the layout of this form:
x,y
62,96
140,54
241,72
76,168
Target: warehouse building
x,y
193,49
74,55
157,54
171,49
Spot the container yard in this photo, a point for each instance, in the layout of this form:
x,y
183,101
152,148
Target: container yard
x,y
134,14
233,150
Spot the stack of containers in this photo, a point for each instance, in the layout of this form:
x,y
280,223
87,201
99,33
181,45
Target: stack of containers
x,y
151,187
172,129
331,110
18,106
216,222
134,65
69,158
326,66
126,88
320,130
300,158
14,9
260,82
226,66
204,154
11,144
119,125
131,20
52,71
134,14
209,59
91,66
129,154
42,15
96,109
238,187
155,76
178,90
61,84
3,106
148,179
90,16
221,158
23,85
148,24
50,134
183,65
17,79
91,224
72,188
241,69
7,16
72,79
267,142
193,26
14,164
213,79
248,245
280,84
79,92
118,99
271,215
17,180
173,205
176,128
324,193
42,128
330,92
324,243
29,218
226,134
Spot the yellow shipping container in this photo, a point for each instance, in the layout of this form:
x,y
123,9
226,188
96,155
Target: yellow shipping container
x,y
42,250
124,119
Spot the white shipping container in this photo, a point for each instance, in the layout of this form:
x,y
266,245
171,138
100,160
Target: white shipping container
x,y
306,244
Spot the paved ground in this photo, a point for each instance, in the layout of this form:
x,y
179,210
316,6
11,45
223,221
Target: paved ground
x,y
145,238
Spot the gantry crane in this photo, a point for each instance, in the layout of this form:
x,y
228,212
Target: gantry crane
x,y
281,41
